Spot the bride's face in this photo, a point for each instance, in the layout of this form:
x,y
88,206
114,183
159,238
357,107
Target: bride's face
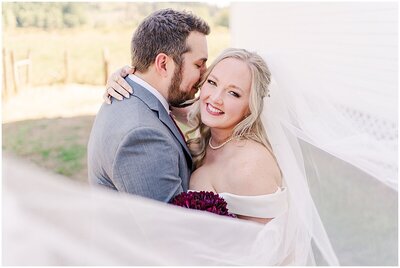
x,y
224,97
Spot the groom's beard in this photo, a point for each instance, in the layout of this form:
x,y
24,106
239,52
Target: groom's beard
x,y
175,95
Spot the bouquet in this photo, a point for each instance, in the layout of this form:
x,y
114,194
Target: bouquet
x,y
206,201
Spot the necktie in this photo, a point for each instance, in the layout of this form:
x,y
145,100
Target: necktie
x,y
173,120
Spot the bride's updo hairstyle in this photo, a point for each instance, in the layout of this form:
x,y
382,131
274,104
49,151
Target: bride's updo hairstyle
x,y
251,126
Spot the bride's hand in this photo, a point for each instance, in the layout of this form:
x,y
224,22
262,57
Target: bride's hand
x,y
117,86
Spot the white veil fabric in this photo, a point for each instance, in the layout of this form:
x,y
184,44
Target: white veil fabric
x,y
49,221
348,139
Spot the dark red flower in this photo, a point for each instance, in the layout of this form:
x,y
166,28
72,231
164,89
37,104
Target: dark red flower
x,y
207,201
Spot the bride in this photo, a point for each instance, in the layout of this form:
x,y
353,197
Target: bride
x,y
233,157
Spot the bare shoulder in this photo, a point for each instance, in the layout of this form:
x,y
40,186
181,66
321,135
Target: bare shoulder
x,y
256,171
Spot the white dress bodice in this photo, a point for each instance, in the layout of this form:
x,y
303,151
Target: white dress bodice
x,y
259,206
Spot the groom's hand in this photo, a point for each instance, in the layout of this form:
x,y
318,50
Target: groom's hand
x,y
117,86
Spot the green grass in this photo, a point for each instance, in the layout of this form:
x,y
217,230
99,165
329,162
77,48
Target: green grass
x,y
56,144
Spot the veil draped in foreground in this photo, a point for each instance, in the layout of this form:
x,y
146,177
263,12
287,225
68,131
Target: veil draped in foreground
x,y
334,170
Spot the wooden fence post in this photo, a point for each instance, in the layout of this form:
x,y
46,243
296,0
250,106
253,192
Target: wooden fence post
x,y
29,68
15,65
106,62
66,66
14,72
5,89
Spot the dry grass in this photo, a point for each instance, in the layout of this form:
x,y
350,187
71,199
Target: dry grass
x,y
85,48
52,101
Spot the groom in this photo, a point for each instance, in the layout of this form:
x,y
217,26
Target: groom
x,y
135,145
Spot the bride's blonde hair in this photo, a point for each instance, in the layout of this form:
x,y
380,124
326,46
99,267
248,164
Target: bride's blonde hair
x,y
251,126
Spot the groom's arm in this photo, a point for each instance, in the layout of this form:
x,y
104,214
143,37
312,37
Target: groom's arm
x,y
147,164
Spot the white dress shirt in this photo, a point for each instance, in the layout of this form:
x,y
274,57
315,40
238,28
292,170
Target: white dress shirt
x,y
152,90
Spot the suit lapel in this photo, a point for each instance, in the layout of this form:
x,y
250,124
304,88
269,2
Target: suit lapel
x,y
154,104
167,120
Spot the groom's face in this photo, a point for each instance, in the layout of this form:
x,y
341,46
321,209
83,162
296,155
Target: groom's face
x,y
186,78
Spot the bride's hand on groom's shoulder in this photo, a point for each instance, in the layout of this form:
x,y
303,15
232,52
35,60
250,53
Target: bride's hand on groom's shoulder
x,y
116,85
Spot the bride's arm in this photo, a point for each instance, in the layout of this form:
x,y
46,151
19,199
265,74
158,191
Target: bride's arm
x,y
118,88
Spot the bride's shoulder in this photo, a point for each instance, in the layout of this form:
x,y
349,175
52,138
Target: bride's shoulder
x,y
250,149
257,169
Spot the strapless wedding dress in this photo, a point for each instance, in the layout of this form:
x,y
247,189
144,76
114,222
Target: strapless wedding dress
x,y
275,240
274,206
259,206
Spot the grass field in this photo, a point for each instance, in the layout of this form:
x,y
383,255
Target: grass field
x,y
50,126
57,144
85,49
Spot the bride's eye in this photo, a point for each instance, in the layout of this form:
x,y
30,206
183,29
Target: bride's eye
x,y
233,93
211,82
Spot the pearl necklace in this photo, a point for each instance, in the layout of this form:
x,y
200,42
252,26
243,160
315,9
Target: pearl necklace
x,y
219,146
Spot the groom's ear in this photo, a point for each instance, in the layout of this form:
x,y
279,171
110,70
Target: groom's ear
x,y
163,65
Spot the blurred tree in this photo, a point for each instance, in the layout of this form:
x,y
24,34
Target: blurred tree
x,y
56,15
44,15
53,18
222,17
9,19
73,14
24,17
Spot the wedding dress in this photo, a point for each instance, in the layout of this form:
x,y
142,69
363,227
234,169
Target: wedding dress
x,y
258,206
273,206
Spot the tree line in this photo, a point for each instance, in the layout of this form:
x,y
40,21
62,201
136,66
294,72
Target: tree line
x,y
58,15
43,15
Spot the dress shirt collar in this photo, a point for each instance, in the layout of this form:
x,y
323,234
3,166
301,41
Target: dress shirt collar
x,y
152,90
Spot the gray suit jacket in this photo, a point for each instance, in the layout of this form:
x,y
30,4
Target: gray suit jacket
x,y
135,147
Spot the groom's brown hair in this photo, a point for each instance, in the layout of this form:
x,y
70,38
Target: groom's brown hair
x,y
164,31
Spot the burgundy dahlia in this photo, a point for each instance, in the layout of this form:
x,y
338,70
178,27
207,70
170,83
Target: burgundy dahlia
x,y
207,201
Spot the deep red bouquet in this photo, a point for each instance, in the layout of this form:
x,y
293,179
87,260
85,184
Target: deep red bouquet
x,y
207,201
